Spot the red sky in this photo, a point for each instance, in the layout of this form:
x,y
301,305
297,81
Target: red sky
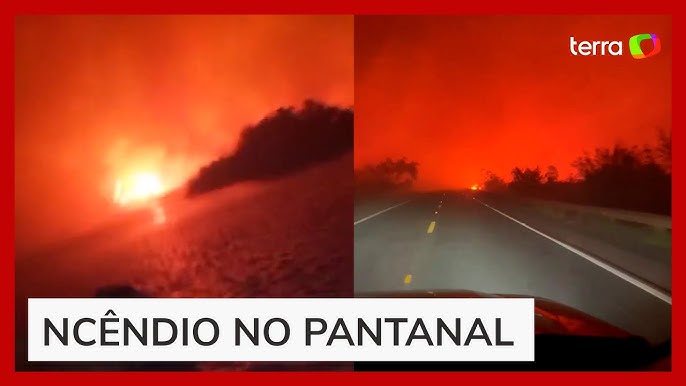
x,y
460,94
98,97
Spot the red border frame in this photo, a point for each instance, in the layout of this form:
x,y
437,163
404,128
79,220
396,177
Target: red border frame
x,y
358,7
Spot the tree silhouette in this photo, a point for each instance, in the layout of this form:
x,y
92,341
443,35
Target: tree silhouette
x,y
494,183
286,140
634,178
387,175
625,177
664,149
526,180
552,175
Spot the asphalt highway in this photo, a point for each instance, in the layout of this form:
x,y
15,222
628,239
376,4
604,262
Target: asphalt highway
x,y
455,241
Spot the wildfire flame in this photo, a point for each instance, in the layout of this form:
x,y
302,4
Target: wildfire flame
x,y
137,187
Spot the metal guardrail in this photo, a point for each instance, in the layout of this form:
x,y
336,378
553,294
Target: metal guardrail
x,y
650,219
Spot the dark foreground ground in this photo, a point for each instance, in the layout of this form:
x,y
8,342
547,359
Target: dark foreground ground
x,y
283,238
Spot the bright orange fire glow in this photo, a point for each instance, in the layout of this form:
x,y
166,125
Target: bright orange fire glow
x,y
137,187
475,187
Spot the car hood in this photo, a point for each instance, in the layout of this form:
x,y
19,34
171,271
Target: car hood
x,y
551,317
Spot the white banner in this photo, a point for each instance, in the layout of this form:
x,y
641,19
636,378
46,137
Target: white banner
x,y
364,329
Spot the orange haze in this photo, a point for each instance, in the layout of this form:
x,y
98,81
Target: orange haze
x,y
464,94
101,98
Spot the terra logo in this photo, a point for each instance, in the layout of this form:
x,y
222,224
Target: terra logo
x,y
635,46
615,47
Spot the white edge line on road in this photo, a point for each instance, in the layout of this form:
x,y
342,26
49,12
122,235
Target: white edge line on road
x,y
622,275
378,213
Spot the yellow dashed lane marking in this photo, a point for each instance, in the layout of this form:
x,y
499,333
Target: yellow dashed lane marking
x,y
408,279
432,225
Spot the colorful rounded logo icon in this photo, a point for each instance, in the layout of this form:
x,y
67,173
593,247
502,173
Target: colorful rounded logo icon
x,y
635,46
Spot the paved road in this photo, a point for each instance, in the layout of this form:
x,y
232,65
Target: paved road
x,y
473,247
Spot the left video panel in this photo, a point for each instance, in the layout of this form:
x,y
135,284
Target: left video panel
x,y
182,156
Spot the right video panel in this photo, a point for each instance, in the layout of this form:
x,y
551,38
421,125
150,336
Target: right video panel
x,y
521,156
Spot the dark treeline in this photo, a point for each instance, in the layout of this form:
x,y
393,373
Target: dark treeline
x,y
632,178
285,141
387,175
